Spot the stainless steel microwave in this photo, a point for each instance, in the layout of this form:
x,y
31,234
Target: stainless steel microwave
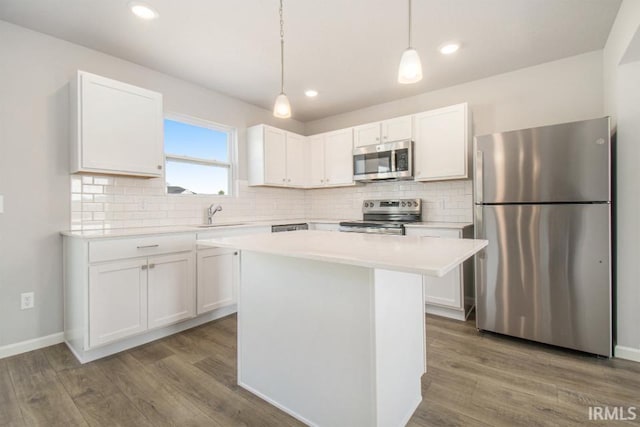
x,y
388,161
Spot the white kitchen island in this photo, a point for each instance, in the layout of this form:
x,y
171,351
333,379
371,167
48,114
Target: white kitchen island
x,y
331,325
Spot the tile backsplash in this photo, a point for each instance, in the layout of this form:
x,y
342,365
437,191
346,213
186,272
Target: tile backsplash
x,y
449,201
105,202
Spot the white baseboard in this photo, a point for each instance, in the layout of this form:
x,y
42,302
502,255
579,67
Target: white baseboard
x,y
627,353
30,345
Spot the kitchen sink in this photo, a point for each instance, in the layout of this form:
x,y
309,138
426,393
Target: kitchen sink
x,y
219,225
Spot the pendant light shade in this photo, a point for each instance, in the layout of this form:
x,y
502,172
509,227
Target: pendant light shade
x,y
410,70
282,108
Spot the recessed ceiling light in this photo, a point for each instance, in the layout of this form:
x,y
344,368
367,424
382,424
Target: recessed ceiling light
x,y
311,93
449,48
143,10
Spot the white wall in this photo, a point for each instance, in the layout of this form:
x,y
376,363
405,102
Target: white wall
x,y
624,28
555,92
34,170
628,210
622,102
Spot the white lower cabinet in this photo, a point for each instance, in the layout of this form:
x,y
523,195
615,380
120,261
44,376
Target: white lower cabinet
x,y
130,296
451,295
117,300
217,278
171,289
444,291
121,292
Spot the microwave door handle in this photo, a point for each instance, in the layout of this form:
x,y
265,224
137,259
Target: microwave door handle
x,y
393,160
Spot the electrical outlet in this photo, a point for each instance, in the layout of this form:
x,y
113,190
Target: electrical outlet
x,y
26,300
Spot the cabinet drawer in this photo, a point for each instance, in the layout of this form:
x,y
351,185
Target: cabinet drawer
x,y
434,232
132,247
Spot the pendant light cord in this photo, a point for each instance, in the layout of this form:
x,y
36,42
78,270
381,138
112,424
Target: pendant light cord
x,y
409,24
281,50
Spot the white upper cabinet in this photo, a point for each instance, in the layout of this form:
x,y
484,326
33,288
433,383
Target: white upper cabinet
x,y
338,157
395,129
442,140
316,161
276,157
366,134
296,173
116,128
331,159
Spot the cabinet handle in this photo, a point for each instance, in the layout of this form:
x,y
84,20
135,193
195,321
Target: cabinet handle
x,y
143,267
322,180
152,266
235,253
148,246
284,179
159,167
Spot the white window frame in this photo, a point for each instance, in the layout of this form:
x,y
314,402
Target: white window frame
x,y
231,149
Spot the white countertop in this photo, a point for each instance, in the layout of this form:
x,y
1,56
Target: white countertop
x,y
222,225
422,255
227,225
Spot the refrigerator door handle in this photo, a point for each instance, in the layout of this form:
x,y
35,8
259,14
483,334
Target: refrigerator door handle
x,y
478,175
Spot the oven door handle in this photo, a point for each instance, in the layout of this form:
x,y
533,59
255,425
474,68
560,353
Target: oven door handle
x,y
373,230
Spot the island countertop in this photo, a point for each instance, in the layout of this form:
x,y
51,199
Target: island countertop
x,y
413,254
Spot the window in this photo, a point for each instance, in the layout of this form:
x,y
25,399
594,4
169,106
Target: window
x,y
197,157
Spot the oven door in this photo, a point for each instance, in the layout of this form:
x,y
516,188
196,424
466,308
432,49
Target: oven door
x,y
383,161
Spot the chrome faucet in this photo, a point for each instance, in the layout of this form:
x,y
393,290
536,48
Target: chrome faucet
x,y
211,212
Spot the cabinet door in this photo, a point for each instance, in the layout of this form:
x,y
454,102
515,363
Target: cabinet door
x,y
445,291
316,161
120,127
366,134
295,160
338,157
275,156
397,129
441,144
217,278
117,300
171,288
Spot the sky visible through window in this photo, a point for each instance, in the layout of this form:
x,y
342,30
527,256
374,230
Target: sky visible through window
x,y
184,139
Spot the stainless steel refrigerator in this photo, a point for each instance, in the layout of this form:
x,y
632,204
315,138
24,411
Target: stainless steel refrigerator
x,y
543,201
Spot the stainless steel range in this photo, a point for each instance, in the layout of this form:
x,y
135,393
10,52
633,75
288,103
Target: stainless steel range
x,y
385,216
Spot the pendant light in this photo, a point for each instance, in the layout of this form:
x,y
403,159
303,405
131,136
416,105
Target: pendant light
x,y
282,108
410,70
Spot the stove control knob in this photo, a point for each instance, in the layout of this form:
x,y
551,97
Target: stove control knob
x,y
403,204
366,205
415,204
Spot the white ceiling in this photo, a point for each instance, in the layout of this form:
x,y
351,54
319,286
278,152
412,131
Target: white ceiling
x,y
347,50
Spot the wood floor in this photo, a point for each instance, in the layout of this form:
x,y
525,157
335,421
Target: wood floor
x,y
189,379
